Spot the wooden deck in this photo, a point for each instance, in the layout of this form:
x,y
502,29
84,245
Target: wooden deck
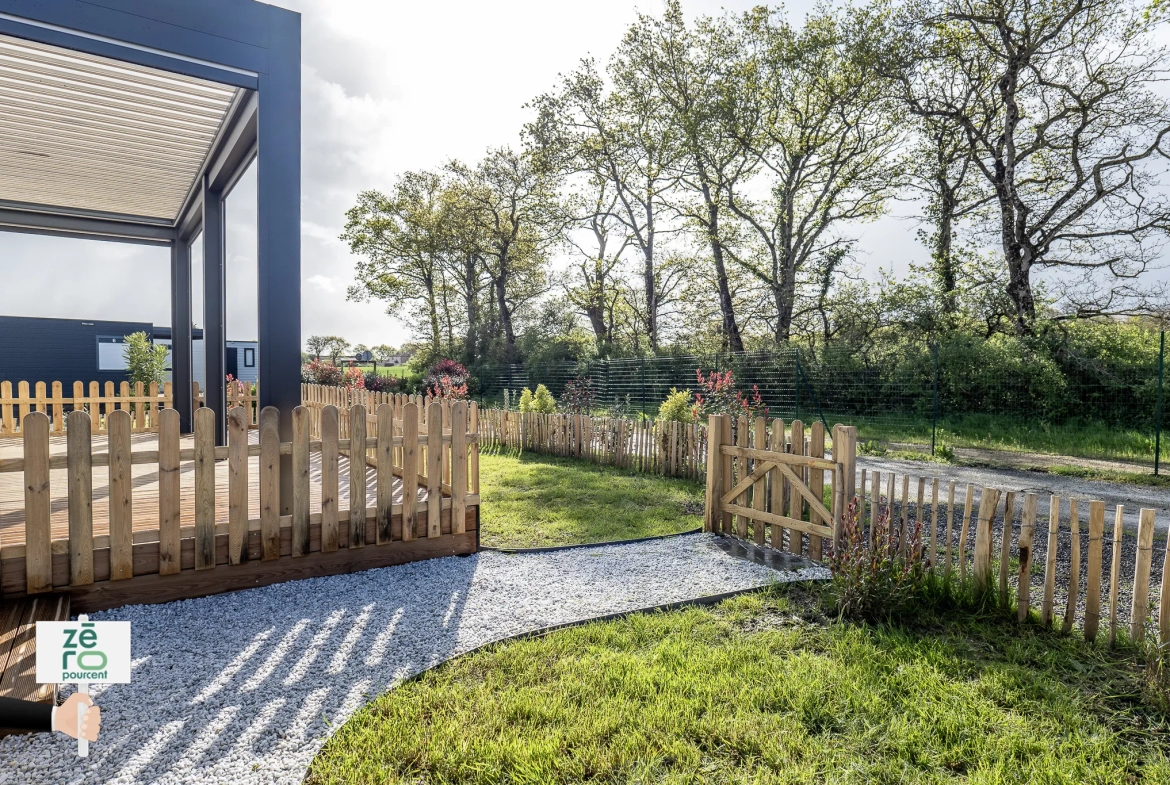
x,y
151,517
18,666
145,490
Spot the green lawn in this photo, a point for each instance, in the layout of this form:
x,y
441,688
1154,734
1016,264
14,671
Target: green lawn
x,y
386,370
1084,440
536,500
762,689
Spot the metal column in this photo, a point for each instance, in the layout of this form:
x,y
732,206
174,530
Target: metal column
x,y
278,255
181,367
214,305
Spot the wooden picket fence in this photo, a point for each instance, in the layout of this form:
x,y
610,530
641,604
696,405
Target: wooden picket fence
x,y
671,448
97,400
236,396
958,535
767,482
189,552
364,412
143,401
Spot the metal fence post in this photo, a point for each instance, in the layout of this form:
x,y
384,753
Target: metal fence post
x,y
1158,414
643,386
934,406
796,383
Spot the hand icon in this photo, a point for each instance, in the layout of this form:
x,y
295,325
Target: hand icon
x,y
65,717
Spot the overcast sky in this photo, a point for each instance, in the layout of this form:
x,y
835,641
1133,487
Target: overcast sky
x,y
387,87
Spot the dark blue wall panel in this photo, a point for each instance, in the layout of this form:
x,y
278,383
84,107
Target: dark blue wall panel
x,y
57,350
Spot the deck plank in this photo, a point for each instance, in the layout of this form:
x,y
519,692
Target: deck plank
x,y
19,679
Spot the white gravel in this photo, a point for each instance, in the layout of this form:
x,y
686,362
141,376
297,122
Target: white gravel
x,y
245,687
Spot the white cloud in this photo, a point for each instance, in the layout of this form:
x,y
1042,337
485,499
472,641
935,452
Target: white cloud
x,y
386,87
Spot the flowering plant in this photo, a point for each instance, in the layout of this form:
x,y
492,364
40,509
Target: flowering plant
x,y
237,387
457,373
353,378
717,394
380,382
881,576
447,388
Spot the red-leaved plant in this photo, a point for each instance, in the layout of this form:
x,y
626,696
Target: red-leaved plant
x,y
717,394
878,575
447,388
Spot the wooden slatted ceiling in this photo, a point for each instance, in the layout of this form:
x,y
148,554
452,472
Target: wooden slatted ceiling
x,y
92,133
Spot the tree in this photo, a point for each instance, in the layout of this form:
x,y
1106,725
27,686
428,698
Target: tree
x,y
146,361
1061,108
384,353
623,139
316,345
595,291
404,240
335,346
511,208
825,135
691,75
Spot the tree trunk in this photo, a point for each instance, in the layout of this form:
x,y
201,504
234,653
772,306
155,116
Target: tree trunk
x,y
469,276
433,312
500,283
726,306
944,262
1013,214
650,279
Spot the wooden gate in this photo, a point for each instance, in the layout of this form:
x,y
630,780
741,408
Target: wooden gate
x,y
767,482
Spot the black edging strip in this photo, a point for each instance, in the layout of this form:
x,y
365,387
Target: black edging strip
x,y
553,548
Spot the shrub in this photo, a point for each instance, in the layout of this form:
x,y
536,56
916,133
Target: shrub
x,y
353,378
880,583
146,361
678,407
578,395
718,395
381,383
320,372
447,388
541,402
621,408
456,372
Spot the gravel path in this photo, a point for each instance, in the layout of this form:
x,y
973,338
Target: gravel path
x,y
245,687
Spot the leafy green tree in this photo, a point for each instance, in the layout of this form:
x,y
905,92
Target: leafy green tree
x,y
402,239
335,346
623,145
692,76
384,352
146,361
1063,111
826,136
511,205
316,345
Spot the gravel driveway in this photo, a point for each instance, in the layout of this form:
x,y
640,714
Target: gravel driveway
x,y
245,687
1133,497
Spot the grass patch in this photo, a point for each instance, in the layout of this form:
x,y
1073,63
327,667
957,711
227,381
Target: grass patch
x,y
1090,439
535,500
762,689
400,371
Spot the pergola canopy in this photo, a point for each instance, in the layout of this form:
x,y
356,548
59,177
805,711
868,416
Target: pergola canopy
x,y
131,121
91,133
